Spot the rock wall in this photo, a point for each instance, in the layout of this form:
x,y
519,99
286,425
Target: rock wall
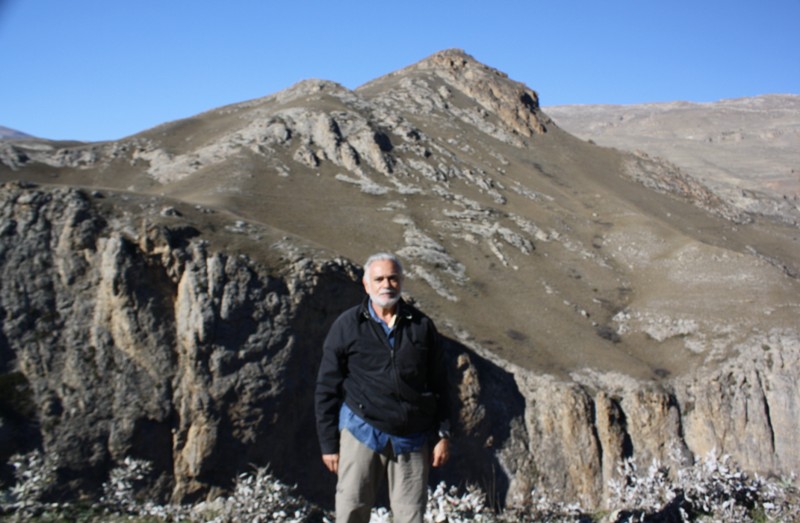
x,y
121,338
579,431
147,345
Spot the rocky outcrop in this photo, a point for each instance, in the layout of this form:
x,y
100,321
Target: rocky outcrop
x,y
513,103
148,345
659,175
454,83
578,432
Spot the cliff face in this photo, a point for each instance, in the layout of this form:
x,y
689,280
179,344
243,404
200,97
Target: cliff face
x,y
165,297
145,344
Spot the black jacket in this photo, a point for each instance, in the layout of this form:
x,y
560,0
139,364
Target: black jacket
x,y
400,391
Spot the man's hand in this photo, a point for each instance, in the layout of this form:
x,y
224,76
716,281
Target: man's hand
x,y
331,462
441,452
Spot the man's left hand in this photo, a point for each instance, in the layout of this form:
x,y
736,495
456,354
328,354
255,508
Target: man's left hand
x,y
441,452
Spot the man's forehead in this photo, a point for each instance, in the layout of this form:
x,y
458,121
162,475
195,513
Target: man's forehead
x,y
383,268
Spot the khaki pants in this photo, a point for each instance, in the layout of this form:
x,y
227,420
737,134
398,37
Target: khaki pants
x,y
361,471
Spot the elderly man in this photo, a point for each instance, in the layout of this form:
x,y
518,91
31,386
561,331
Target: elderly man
x,y
380,399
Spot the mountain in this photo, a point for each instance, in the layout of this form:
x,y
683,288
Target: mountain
x,y
747,150
175,286
11,134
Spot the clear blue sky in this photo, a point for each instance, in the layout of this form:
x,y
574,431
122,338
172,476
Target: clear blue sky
x,y
105,69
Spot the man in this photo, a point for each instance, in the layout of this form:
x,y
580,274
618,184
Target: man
x,y
380,397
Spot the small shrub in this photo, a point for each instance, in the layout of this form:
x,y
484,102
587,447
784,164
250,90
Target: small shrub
x,y
711,490
445,505
34,474
119,492
258,498
714,489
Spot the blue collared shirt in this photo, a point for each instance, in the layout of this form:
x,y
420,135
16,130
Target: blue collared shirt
x,y
366,433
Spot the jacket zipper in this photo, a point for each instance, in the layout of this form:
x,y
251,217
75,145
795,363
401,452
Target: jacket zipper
x,y
396,375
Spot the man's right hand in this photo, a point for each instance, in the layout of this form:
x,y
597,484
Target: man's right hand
x,y
331,462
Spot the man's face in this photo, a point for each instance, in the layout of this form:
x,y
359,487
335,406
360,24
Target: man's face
x,y
383,283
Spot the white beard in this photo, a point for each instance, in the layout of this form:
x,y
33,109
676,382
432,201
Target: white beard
x,y
385,300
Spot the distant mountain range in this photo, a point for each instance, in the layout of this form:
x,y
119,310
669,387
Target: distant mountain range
x,y
747,149
10,134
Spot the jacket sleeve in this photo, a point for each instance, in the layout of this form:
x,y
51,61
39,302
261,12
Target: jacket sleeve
x,y
438,379
328,396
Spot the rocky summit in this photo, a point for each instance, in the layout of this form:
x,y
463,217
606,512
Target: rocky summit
x,y
165,296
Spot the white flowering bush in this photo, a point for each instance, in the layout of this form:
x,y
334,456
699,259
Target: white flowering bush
x,y
546,509
119,492
718,488
34,473
446,505
257,498
714,490
711,490
635,496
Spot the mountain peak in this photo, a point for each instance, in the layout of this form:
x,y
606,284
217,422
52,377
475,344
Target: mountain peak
x,y
456,61
513,103
453,59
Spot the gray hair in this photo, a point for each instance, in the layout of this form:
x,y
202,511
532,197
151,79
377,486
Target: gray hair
x,y
383,256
